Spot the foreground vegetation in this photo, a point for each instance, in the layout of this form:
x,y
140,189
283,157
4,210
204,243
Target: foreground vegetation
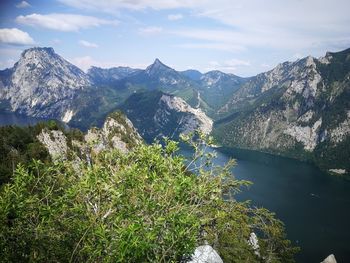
x,y
150,205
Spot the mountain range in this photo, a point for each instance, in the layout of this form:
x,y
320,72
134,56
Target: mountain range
x,y
299,109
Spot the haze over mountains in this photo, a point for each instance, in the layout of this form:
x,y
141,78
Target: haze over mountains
x,y
299,109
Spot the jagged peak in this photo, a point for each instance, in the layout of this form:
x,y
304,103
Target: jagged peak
x,y
156,66
45,56
47,50
157,61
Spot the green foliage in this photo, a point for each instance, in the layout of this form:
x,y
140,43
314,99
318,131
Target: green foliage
x,y
150,205
20,145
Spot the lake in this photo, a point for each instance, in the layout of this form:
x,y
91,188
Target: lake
x,y
10,118
314,206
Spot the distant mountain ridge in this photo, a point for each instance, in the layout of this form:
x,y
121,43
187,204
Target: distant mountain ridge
x,y
156,114
109,76
298,109
43,84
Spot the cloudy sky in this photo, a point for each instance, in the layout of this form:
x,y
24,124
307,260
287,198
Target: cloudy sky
x,y
244,37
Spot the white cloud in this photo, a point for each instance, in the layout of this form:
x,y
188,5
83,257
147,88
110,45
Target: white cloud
x,y
15,36
88,44
237,62
63,22
110,6
265,65
174,17
84,63
297,56
151,30
56,41
23,4
7,63
9,56
289,24
213,46
230,66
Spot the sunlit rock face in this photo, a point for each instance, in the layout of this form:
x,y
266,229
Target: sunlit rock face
x,y
156,114
43,84
298,109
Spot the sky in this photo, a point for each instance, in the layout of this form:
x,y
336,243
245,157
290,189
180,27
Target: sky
x,y
243,37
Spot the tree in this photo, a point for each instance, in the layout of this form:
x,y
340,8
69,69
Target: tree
x,y
148,205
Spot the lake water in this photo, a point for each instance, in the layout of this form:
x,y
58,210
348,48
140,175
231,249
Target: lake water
x,y
314,206
9,118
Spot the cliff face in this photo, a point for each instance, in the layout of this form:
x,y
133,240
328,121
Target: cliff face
x,y
157,114
117,133
299,109
43,84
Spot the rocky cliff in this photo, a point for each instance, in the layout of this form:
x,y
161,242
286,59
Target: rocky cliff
x,y
299,109
43,84
117,133
158,114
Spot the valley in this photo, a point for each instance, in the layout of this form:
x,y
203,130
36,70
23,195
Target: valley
x,y
174,131
299,109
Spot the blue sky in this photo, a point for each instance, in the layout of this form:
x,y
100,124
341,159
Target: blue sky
x,y
234,36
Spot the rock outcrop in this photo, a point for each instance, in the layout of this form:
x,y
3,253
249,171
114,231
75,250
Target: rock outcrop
x,y
330,259
43,84
299,109
117,133
205,254
156,114
55,142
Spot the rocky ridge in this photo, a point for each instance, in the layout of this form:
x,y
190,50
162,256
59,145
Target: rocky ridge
x,y
117,133
156,114
299,109
43,84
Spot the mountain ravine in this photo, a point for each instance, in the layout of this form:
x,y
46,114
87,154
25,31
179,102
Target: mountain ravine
x,y
299,109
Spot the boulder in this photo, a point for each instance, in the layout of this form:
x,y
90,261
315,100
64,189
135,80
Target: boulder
x,y
329,259
205,254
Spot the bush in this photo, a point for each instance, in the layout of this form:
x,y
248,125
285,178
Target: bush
x,y
150,205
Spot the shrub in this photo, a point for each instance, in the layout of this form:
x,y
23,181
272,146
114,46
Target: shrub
x,y
150,205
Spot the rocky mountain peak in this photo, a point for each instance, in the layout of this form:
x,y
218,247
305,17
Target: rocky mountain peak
x,y
40,66
157,67
38,50
215,76
41,78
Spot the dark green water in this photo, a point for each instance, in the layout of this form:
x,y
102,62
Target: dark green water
x,y
9,118
314,206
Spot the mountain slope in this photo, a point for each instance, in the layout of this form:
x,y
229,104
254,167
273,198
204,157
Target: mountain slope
x,y
156,114
299,109
110,76
216,87
43,84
